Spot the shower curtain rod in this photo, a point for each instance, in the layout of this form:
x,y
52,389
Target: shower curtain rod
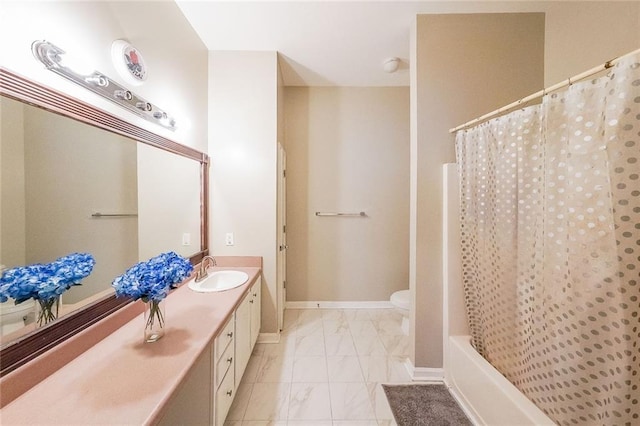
x,y
567,82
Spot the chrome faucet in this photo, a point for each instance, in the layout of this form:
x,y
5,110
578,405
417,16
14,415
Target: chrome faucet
x,y
202,272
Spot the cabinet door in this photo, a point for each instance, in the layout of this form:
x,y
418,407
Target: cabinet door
x,y
243,336
224,339
223,365
255,312
224,399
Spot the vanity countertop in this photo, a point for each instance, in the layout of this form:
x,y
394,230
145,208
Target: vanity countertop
x,y
121,380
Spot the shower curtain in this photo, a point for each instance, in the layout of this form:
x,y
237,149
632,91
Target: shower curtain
x,y
550,211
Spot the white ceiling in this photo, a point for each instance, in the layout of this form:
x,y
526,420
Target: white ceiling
x,y
326,43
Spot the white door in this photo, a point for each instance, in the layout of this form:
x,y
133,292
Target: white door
x,y
282,234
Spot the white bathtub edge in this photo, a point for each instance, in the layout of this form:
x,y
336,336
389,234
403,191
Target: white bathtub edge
x,y
467,409
507,399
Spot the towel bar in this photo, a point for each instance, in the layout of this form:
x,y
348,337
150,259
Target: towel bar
x,y
98,215
341,214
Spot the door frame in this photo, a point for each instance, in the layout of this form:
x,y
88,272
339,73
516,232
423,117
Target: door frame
x,y
281,269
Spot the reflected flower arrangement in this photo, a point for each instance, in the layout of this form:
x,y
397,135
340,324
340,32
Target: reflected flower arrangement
x,y
45,282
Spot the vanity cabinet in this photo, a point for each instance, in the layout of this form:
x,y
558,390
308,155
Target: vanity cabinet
x,y
232,350
243,330
191,404
224,347
255,312
247,327
207,394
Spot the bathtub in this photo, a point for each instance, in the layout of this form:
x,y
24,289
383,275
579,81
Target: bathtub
x,y
487,397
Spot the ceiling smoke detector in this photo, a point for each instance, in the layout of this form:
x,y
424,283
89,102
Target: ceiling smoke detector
x,y
391,65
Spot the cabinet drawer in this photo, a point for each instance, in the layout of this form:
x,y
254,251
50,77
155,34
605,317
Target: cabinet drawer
x,y
223,366
224,338
224,397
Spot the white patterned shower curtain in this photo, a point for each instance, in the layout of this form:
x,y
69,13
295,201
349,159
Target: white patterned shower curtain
x,y
550,210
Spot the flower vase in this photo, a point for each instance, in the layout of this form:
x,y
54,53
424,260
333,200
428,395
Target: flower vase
x,y
154,320
47,310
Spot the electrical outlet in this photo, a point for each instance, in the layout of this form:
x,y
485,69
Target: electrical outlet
x,y
228,239
186,239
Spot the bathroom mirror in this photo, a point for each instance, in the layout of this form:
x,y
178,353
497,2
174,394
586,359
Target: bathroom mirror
x,y
75,178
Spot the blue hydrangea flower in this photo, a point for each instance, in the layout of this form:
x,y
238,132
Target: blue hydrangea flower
x,y
45,281
152,279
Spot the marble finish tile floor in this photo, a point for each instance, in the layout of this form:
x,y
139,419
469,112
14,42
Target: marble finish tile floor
x,y
327,370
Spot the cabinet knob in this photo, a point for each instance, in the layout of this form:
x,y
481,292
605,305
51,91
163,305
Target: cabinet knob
x,y
230,334
251,301
255,294
229,392
230,359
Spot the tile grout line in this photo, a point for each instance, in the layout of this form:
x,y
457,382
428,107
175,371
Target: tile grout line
x,y
295,344
326,363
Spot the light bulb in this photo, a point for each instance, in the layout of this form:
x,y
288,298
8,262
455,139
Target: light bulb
x,y
77,64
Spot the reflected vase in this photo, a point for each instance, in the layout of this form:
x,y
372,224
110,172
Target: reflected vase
x,y
47,311
154,320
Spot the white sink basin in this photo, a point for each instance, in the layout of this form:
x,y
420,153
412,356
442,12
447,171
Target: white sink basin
x,y
219,281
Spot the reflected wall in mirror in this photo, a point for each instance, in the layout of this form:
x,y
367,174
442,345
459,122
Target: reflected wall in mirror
x,y
168,203
57,170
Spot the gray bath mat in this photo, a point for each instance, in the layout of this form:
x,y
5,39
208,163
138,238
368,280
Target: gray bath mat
x,y
422,405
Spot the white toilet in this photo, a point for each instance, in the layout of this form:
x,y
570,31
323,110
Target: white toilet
x,y
402,300
13,317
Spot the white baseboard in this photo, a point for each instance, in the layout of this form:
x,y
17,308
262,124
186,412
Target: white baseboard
x,y
268,337
424,374
382,304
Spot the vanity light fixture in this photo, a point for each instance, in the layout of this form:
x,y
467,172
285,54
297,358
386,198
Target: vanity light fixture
x,y
52,58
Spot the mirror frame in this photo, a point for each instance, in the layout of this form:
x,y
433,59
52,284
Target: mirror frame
x,y
12,85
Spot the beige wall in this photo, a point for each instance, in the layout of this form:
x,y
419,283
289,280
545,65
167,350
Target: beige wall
x,y
347,151
464,65
12,194
581,35
243,147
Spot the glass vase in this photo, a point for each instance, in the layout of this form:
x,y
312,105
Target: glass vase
x,y
47,311
154,320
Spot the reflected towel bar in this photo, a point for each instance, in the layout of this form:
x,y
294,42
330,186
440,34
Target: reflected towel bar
x,y
98,215
362,214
